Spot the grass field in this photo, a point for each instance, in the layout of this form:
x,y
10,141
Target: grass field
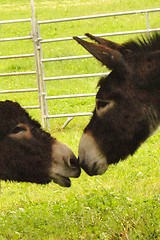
x,y
122,204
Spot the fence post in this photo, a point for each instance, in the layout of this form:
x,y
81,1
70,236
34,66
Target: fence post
x,y
35,38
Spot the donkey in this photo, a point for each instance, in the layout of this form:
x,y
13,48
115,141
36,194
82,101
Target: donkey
x,y
28,153
127,109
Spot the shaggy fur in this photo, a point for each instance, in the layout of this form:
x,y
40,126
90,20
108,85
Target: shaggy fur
x,y
30,154
133,88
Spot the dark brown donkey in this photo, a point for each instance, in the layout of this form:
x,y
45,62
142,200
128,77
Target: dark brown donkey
x,y
127,107
27,153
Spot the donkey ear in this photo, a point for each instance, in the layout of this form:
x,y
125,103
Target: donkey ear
x,y
113,45
105,42
111,58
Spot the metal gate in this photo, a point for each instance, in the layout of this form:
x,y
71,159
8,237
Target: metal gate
x,y
40,43
17,56
46,97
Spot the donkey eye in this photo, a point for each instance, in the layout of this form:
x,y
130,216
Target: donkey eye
x,y
21,131
103,106
18,129
102,103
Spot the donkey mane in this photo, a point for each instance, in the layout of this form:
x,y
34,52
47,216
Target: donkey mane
x,y
143,44
148,72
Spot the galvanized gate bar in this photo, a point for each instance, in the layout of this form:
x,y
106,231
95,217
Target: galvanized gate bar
x,y
17,73
15,21
102,35
70,96
99,16
19,90
74,76
15,39
31,107
65,58
17,56
70,115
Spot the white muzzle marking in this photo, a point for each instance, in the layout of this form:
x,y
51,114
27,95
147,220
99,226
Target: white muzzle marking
x,y
90,157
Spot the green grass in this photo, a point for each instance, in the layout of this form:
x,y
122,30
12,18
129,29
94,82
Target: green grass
x,y
122,204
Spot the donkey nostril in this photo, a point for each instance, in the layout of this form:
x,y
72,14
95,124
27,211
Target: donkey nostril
x,y
73,162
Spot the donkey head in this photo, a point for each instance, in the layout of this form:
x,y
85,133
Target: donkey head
x,y
30,154
127,109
